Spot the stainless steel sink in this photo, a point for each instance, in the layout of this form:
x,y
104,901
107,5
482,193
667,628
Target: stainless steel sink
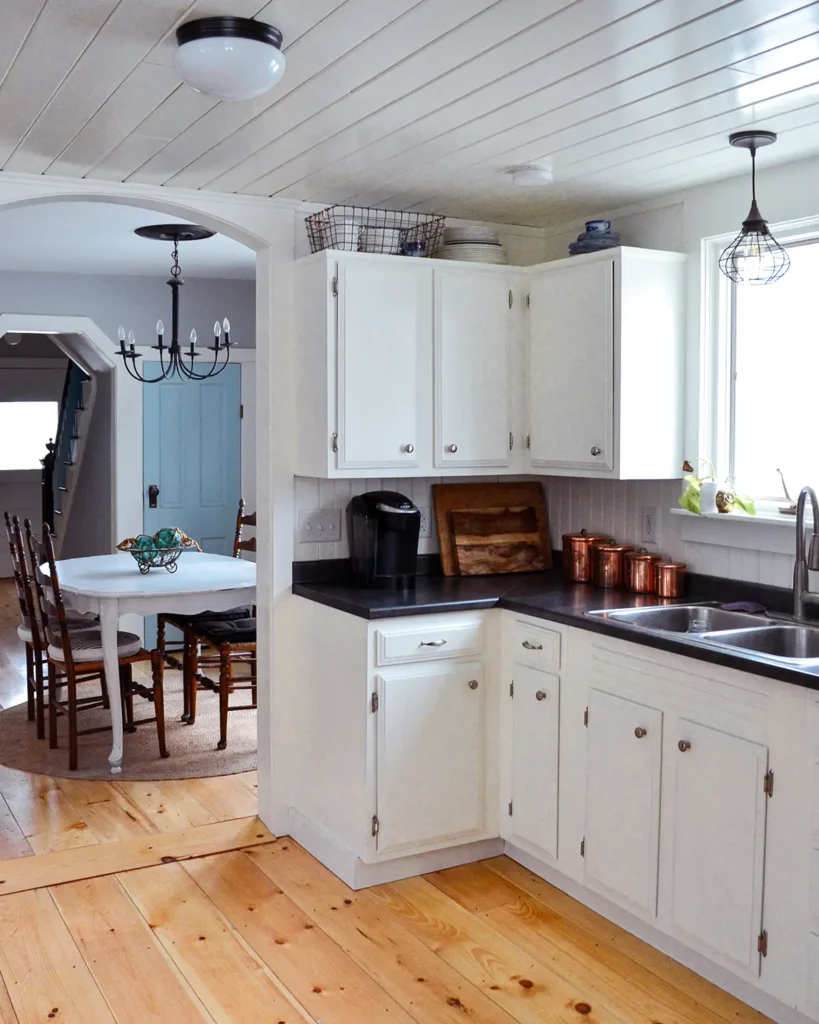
x,y
692,618
792,644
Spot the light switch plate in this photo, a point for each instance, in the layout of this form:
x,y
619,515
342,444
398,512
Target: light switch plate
x,y
317,525
648,519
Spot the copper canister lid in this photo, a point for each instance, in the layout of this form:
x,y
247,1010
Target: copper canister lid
x,y
671,565
643,556
623,548
584,537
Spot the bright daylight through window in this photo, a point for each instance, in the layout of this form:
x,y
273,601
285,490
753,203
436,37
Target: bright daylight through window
x,y
25,428
776,359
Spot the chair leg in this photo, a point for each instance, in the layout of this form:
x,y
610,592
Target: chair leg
x,y
52,705
158,673
224,693
187,641
39,696
30,685
126,680
106,696
71,690
190,682
254,685
160,636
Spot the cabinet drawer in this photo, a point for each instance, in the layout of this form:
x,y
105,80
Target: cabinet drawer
x,y
535,646
426,643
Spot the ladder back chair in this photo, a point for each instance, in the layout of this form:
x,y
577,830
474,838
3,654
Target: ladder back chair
x,y
27,630
235,644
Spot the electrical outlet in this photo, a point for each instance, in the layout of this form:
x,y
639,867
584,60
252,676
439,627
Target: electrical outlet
x,y
426,521
648,518
319,524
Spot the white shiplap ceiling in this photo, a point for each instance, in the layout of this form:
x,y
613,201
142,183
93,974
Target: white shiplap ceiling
x,y
417,104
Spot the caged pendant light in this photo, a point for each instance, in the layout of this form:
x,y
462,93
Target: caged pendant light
x,y
754,256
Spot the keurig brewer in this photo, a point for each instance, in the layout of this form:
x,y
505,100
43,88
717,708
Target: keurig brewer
x,y
383,527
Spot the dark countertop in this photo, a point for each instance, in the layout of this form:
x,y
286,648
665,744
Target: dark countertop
x,y
547,596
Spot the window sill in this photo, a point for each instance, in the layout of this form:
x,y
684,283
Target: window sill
x,y
766,531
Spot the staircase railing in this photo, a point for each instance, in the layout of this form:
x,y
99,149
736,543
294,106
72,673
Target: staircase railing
x,y
61,452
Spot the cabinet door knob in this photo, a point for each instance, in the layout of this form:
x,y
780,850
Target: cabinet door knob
x,y
432,643
452,448
532,647
596,451
540,695
408,448
473,684
684,745
639,732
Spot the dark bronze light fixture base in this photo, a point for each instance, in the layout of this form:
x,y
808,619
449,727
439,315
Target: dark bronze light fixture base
x,y
752,139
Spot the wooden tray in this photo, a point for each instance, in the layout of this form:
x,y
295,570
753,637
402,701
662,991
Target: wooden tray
x,y
488,499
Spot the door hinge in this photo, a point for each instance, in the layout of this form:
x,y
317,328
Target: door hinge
x,y
334,288
586,718
334,442
528,440
768,784
374,702
375,824
512,688
511,440
510,808
583,847
511,298
528,301
762,943
241,412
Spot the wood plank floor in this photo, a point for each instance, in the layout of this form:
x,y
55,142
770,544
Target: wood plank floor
x,y
169,903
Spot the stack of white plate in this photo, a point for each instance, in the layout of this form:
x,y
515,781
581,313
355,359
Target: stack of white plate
x,y
472,244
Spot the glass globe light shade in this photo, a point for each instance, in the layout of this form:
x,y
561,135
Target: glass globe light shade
x,y
229,58
13,338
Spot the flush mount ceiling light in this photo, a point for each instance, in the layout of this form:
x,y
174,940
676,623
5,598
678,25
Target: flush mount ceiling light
x,y
530,175
229,58
754,256
12,338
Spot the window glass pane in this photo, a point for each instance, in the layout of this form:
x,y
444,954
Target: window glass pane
x,y
25,427
777,366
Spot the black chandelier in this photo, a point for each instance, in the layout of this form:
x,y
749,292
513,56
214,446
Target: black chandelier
x,y
754,256
176,365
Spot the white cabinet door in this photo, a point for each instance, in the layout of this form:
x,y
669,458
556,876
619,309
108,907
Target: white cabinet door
x,y
535,731
473,339
718,824
384,364
571,366
430,759
624,758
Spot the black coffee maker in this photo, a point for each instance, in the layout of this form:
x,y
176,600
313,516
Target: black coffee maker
x,y
383,528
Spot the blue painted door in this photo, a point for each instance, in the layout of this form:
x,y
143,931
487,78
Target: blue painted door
x,y
192,451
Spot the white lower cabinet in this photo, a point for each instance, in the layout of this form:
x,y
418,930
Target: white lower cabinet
x,y
430,755
623,769
716,812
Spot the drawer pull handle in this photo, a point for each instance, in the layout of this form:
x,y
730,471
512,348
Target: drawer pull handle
x,y
473,684
639,732
432,643
684,745
540,695
532,647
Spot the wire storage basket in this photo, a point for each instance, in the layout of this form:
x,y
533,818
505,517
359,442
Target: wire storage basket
x,y
365,229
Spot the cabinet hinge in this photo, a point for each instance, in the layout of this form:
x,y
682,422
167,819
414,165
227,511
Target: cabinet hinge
x,y
334,288
374,702
528,440
334,442
583,847
511,441
586,717
510,808
375,825
512,688
762,943
768,784
241,412
528,302
511,298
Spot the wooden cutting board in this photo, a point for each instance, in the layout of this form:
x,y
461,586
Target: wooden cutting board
x,y
510,533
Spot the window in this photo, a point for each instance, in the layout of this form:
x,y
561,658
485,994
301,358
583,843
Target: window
x,y
25,428
770,346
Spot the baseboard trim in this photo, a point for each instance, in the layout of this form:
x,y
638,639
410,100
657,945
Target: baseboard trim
x,y
722,978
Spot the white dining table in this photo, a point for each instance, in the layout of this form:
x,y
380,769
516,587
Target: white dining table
x,y
111,586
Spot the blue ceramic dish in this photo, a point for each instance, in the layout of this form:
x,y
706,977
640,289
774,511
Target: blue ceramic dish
x,y
598,226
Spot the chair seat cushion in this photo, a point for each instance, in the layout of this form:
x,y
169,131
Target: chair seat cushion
x,y
86,645
238,631
229,614
25,634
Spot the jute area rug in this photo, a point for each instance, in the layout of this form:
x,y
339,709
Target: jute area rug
x,y
192,748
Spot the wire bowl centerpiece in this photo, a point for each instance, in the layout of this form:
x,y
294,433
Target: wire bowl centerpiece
x,y
160,551
366,229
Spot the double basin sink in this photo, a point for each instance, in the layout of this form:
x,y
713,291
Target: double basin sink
x,y
795,644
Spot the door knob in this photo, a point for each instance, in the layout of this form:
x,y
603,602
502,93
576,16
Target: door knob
x,y
153,495
540,695
595,450
639,732
684,745
409,448
473,684
452,448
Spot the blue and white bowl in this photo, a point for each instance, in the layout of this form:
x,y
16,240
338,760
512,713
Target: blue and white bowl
x,y
598,227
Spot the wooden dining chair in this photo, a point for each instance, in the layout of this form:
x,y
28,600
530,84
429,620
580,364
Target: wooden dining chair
x,y
27,630
78,655
235,645
181,657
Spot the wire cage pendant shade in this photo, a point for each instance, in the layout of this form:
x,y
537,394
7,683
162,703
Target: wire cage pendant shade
x,y
754,256
173,360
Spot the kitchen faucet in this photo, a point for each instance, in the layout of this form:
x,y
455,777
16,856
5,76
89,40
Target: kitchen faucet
x,y
802,595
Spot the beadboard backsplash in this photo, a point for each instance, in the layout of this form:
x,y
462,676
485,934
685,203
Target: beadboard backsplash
x,y
602,506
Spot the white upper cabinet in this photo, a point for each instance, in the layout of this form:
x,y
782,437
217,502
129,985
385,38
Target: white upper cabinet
x,y
474,333
606,339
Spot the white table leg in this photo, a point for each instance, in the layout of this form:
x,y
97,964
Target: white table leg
x,y
109,621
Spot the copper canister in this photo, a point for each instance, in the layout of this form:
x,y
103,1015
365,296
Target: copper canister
x,y
577,554
670,578
641,577
608,565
